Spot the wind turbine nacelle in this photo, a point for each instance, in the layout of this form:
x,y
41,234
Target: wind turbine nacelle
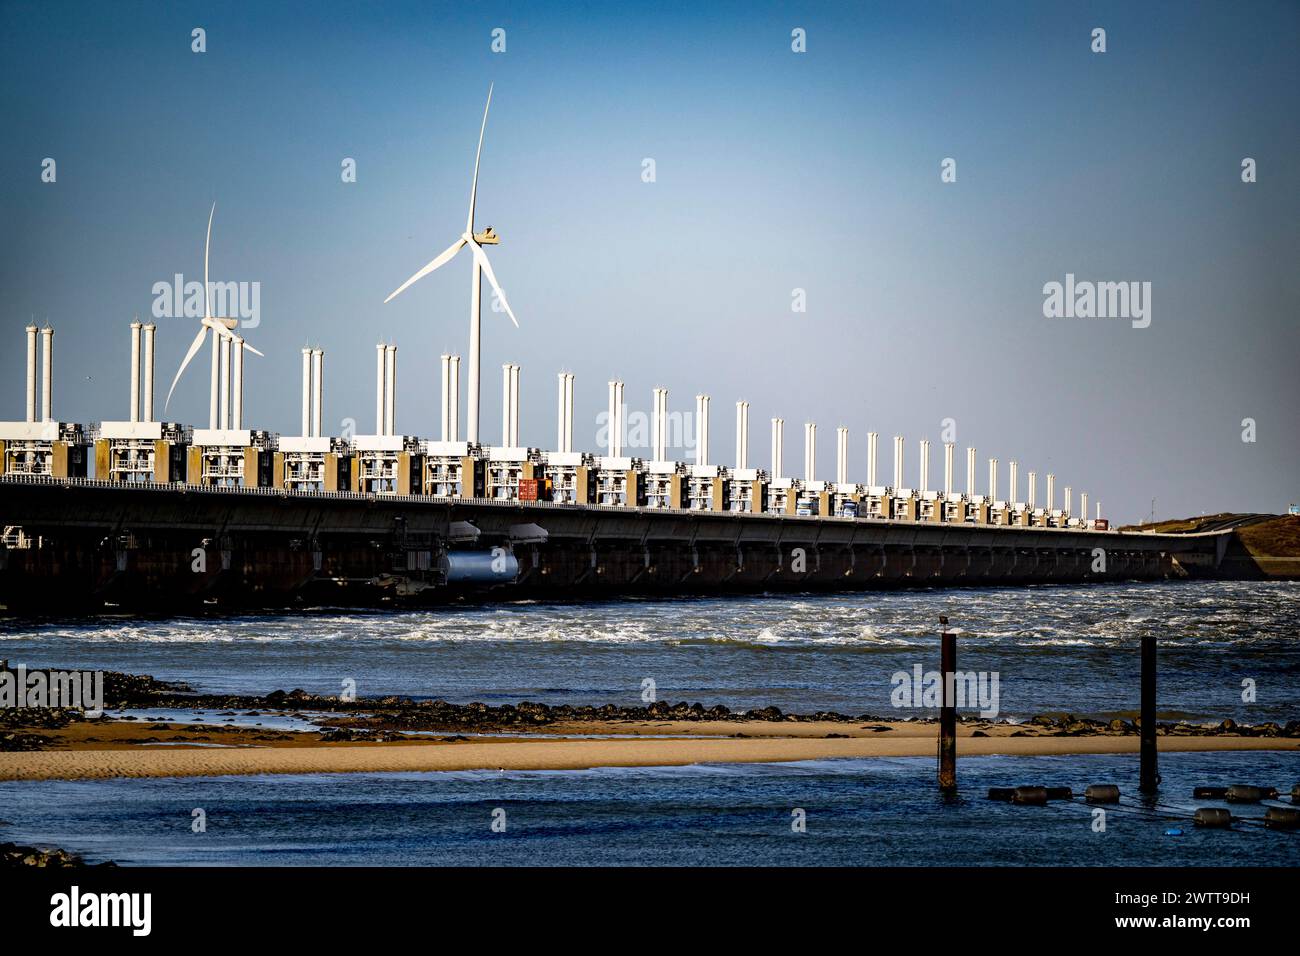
x,y
487,237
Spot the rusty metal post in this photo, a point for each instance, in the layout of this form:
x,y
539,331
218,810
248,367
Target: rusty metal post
x,y
1149,778
948,710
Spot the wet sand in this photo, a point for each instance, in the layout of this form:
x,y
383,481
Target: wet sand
x,y
120,749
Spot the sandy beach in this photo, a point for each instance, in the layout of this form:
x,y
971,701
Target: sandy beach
x,y
126,750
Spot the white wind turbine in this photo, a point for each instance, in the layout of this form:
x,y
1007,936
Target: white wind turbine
x,y
221,328
481,267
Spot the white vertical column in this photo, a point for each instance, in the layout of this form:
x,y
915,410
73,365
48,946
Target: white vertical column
x,y
898,462
561,380
742,434
1083,505
611,420
514,406
618,414
147,411
970,472
47,374
657,424
702,403
1099,511
390,392
135,371
505,406
214,382
306,392
453,417
568,412
1051,491
445,364
31,373
809,451
873,441
381,369
924,484
318,388
223,413
948,449
1014,481
1067,502
1033,490
842,455
778,427
237,383
993,479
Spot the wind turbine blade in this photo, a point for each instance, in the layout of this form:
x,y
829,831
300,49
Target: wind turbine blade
x,y
194,350
486,266
443,258
253,350
473,189
207,308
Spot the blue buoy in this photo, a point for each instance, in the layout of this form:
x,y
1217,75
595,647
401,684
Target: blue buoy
x,y
1174,832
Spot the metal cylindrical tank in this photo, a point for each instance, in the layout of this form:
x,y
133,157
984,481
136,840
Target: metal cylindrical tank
x,y
497,566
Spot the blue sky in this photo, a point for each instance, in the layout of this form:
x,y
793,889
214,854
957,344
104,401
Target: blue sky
x,y
774,171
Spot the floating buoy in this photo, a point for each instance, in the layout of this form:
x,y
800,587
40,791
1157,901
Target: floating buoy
x,y
1102,793
1060,793
1030,796
1282,818
1209,793
1212,817
1001,793
1240,793
1173,831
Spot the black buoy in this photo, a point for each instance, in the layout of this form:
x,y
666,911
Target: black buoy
x,y
1001,793
1212,817
1209,793
1240,793
1282,818
1102,793
1030,796
1060,793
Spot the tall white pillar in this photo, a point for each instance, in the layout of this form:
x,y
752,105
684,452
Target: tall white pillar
x,y
842,455
390,392
970,472
925,465
223,413
135,371
1013,479
237,383
1051,491
453,417
742,434
147,411
318,388
505,405
381,391
809,451
702,429
1033,490
47,374
898,462
873,441
306,392
948,448
31,373
778,429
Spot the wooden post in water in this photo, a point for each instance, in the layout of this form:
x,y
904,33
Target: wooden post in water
x,y
948,710
1149,778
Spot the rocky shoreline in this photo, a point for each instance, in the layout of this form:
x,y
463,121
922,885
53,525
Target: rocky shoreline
x,y
385,718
